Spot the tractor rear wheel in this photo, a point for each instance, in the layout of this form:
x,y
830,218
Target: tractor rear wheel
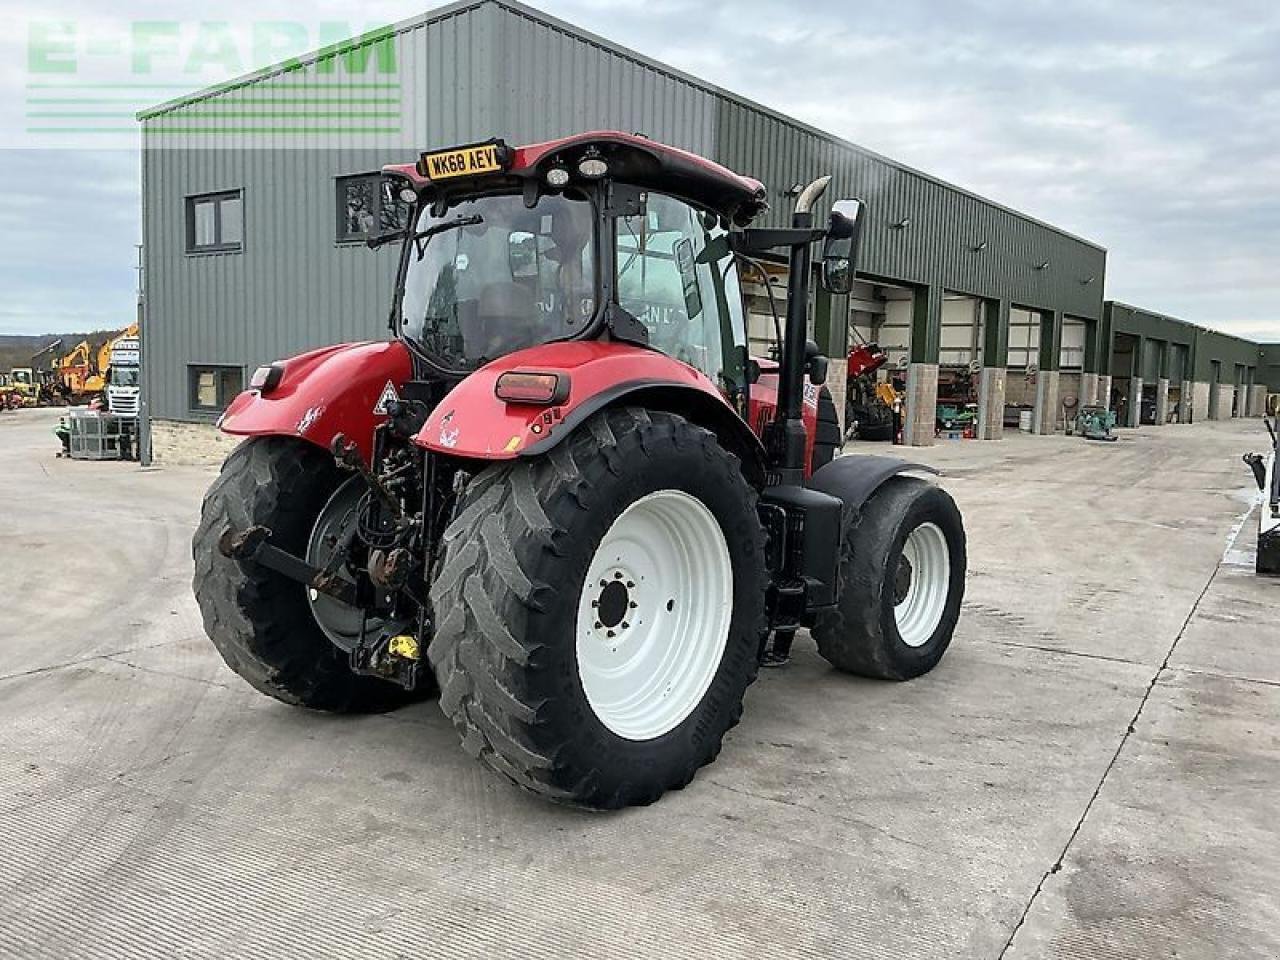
x,y
601,610
263,623
902,568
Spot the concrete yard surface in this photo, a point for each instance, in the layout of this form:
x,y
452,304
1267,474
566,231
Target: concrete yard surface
x,y
1093,771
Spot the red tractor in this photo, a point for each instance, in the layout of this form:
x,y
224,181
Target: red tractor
x,y
564,492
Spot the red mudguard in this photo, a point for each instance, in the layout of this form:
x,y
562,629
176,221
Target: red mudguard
x,y
323,393
472,422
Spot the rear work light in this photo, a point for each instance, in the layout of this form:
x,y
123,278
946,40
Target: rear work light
x,y
265,379
523,386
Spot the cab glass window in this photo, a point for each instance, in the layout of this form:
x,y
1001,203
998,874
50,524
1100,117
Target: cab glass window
x,y
677,276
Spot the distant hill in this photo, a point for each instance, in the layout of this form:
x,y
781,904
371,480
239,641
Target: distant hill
x,y
16,350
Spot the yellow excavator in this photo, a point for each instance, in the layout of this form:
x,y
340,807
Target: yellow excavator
x,y
74,370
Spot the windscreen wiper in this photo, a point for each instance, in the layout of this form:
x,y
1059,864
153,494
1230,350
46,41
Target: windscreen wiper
x,y
422,236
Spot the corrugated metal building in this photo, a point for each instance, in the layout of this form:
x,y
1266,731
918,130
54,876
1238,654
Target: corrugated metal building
x,y
251,192
1269,374
1158,369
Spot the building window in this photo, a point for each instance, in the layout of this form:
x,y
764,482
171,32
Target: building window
x,y
215,222
212,388
367,205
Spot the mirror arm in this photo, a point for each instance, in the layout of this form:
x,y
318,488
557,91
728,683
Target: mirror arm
x,y
375,240
761,240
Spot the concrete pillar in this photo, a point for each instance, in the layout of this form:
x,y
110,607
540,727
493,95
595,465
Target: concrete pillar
x,y
1199,401
921,408
991,382
1226,394
1184,401
991,403
1104,390
1258,400
1162,401
920,415
1088,389
1135,402
1047,412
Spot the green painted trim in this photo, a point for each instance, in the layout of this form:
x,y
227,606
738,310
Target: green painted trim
x,y
995,333
926,324
1050,339
1091,346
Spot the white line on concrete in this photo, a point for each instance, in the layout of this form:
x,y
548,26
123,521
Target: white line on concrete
x,y
1231,557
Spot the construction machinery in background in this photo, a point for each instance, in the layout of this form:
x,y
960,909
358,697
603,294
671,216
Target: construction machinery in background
x,y
581,510
75,372
10,399
872,407
1266,471
22,388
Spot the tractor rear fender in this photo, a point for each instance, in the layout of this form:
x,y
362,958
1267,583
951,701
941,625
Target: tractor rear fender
x,y
472,422
855,478
322,393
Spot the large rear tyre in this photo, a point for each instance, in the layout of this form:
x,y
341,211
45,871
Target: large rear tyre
x,y
902,568
602,609
259,620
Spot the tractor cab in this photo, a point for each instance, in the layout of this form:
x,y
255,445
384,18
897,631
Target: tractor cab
x,y
602,235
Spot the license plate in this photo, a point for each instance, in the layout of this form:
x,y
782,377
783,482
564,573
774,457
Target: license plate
x,y
463,162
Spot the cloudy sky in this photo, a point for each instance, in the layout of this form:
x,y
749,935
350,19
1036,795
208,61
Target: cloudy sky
x,y
1152,128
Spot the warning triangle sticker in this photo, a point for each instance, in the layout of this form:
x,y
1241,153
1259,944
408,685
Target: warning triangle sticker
x,y
388,394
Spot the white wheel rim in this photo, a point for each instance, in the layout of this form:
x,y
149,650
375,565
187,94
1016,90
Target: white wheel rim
x,y
921,586
653,615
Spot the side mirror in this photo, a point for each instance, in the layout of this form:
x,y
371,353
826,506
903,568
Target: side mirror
x,y
840,249
522,254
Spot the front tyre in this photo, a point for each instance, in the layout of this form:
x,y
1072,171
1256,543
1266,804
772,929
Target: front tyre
x,y
902,569
601,610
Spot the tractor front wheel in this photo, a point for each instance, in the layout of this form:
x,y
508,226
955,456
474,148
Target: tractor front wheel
x,y
601,610
902,569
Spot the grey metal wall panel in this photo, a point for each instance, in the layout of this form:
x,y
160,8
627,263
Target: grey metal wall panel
x,y
292,286
946,223
551,81
491,67
1199,347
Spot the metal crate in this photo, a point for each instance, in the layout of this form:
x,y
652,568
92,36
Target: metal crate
x,y
101,436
